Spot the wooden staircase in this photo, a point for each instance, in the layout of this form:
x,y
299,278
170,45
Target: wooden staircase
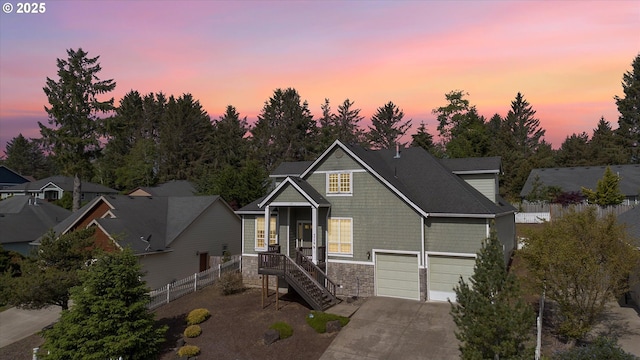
x,y
305,277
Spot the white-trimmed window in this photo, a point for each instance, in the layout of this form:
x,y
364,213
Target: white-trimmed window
x,y
340,236
260,232
339,183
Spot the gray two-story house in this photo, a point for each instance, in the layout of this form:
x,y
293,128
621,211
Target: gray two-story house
x,y
375,222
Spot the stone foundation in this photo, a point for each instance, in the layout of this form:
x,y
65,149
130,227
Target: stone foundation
x,y
250,276
352,279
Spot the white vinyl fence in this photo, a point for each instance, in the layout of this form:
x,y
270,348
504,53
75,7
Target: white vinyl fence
x,y
197,281
532,213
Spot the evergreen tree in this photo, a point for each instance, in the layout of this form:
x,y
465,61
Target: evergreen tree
x,y
493,320
51,271
109,318
470,137
229,145
138,167
73,115
285,130
524,127
606,146
346,122
25,157
387,127
607,192
327,131
238,186
452,115
574,151
422,138
629,105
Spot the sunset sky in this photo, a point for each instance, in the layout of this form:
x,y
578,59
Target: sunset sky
x,y
566,57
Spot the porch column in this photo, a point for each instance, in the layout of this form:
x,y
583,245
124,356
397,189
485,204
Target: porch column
x,y
314,241
267,223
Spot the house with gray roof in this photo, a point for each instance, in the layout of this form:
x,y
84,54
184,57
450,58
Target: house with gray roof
x,y
170,188
23,219
360,222
54,187
573,179
172,236
9,178
631,220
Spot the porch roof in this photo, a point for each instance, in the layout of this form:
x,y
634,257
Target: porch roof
x,y
302,187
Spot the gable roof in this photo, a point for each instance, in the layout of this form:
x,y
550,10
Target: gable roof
x,y
631,218
290,168
170,188
146,224
24,219
63,182
303,188
417,178
9,177
574,178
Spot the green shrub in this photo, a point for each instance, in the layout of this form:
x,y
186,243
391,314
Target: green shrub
x,y
188,351
601,348
283,328
318,320
192,331
198,316
231,283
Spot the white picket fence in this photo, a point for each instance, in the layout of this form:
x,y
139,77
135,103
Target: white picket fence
x,y
193,283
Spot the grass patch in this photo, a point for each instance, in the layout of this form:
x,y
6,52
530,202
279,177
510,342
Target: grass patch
x,y
283,328
318,320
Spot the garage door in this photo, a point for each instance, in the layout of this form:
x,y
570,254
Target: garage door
x,y
444,273
397,276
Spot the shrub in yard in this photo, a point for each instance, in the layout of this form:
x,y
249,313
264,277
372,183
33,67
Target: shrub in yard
x,y
283,328
198,316
318,320
601,348
231,283
192,331
188,351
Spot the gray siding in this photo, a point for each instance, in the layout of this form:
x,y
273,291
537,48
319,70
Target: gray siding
x,y
249,228
485,183
289,194
459,235
505,225
338,160
214,228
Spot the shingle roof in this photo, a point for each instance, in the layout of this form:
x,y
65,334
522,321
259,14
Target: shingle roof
x,y
171,188
574,178
63,182
24,219
473,165
631,219
159,220
290,168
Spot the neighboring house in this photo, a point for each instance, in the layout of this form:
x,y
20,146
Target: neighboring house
x,y
377,222
573,179
173,237
24,219
54,187
10,178
171,188
631,219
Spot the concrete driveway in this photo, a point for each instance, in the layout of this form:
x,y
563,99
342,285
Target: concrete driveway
x,y
387,328
16,324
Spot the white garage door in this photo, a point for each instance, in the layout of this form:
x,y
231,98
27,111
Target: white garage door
x,y
397,276
444,273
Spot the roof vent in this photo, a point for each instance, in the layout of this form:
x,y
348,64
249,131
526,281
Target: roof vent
x,y
397,151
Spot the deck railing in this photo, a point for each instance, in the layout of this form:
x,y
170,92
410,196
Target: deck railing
x,y
308,252
319,275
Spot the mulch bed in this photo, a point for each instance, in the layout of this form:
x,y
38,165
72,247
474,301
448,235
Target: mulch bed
x,y
234,331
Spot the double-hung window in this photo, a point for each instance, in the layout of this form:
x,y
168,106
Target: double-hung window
x,y
260,232
340,231
339,183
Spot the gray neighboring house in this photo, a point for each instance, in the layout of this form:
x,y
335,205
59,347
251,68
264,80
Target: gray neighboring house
x,y
54,187
378,222
24,219
631,219
170,188
572,179
172,236
9,178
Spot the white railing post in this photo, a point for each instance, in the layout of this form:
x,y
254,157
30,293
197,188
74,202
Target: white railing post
x,y
35,353
219,270
168,293
195,282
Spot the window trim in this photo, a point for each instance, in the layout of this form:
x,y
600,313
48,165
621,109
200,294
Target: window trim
x,y
342,254
271,228
339,193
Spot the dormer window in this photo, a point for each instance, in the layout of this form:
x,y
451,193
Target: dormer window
x,y
339,183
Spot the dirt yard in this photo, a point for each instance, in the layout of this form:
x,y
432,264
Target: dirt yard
x,y
234,331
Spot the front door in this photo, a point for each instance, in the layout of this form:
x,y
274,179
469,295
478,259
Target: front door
x,y
304,234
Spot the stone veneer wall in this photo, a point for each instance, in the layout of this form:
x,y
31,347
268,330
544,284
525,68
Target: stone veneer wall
x,y
250,276
356,279
423,284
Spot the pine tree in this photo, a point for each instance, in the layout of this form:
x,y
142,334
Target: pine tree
x,y
607,192
387,127
422,138
451,115
73,115
109,318
629,105
229,145
574,151
606,146
492,319
524,127
27,158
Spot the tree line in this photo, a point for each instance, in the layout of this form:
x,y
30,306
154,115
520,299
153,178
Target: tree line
x,y
152,138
